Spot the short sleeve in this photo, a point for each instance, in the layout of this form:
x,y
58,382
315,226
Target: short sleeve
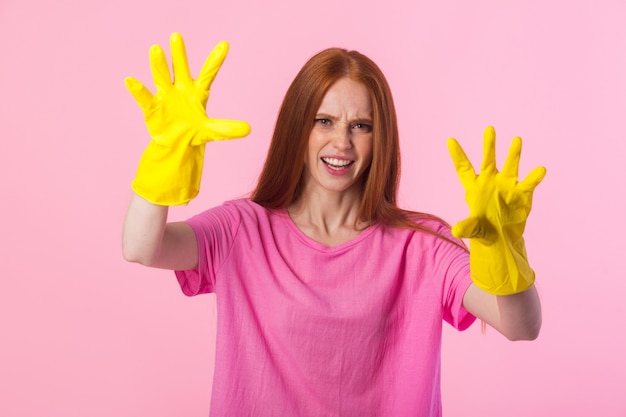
x,y
215,231
452,264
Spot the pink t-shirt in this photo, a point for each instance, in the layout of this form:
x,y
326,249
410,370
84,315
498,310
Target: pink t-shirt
x,y
309,330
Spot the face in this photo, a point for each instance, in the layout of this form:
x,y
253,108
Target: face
x,y
340,144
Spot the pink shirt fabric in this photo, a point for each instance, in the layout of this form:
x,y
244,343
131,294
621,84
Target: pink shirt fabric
x,y
309,330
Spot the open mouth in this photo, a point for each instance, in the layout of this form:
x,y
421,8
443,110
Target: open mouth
x,y
337,164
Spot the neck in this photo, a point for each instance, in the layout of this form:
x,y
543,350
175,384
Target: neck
x,y
328,217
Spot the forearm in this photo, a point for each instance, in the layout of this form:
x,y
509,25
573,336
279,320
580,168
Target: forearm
x,y
517,316
143,232
520,315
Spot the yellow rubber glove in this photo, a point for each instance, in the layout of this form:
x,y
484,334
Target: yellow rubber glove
x,y
499,206
170,168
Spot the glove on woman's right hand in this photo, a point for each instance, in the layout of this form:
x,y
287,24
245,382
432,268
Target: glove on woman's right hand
x,y
170,168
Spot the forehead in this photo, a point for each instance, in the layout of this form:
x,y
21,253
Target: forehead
x,y
347,96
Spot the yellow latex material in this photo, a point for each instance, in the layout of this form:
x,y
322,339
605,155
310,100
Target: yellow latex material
x,y
170,168
499,206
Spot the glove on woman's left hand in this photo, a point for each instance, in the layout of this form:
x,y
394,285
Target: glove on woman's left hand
x,y
499,206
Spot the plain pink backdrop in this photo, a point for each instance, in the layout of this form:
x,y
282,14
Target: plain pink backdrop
x,y
83,333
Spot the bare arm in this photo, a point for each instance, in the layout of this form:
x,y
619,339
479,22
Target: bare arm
x,y
149,240
517,316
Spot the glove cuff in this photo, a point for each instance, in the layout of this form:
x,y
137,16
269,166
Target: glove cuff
x,y
169,176
501,268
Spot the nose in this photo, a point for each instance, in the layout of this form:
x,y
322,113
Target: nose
x,y
342,137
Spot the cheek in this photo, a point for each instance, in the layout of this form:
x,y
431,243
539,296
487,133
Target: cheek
x,y
312,148
307,158
368,150
309,155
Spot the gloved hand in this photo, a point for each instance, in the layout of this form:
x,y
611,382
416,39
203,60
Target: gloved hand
x,y
170,168
499,206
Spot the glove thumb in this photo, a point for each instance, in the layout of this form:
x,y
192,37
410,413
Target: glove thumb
x,y
469,228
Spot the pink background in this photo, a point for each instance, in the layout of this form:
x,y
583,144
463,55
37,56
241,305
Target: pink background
x,y
83,333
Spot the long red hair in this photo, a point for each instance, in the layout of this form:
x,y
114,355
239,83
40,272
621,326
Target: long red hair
x,y
280,182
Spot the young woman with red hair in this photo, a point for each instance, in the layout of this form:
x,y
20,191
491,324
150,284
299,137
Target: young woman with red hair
x,y
330,297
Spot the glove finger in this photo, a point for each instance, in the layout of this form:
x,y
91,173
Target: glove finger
x,y
462,164
533,179
142,95
511,165
469,228
489,150
160,69
220,129
212,66
180,65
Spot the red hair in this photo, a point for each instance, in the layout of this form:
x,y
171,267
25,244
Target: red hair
x,y
280,182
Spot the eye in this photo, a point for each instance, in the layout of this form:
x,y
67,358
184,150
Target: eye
x,y
323,122
362,127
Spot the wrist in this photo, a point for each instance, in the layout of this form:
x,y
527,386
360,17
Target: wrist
x,y
501,268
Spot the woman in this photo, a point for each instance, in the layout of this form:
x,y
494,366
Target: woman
x,y
330,297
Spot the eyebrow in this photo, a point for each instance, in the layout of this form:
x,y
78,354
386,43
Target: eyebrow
x,y
333,118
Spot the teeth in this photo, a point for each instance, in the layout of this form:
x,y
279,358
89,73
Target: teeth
x,y
337,162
